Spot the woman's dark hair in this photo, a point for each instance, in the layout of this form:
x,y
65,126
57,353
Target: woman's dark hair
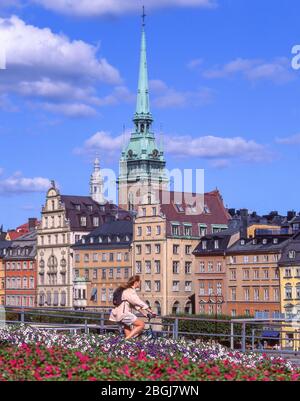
x,y
131,281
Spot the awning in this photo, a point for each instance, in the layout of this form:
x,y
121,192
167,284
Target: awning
x,y
270,334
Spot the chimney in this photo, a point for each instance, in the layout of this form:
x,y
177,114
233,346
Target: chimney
x,y
244,222
32,223
290,215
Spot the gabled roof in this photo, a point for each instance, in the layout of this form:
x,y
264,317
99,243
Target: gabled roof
x,y
207,209
84,206
223,241
292,245
115,234
259,244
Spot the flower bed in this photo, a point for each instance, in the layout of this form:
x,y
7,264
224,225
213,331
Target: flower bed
x,y
27,354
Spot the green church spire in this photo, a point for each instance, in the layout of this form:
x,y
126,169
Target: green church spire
x,y
143,114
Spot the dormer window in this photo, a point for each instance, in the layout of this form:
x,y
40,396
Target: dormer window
x,y
206,209
292,254
180,208
83,221
254,242
243,242
275,241
91,240
90,207
118,239
108,239
265,241
127,238
216,244
96,221
204,244
77,207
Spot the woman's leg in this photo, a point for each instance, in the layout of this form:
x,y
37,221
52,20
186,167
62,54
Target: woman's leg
x,y
138,328
127,331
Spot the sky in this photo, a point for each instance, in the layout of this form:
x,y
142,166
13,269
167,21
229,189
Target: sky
x,y
223,95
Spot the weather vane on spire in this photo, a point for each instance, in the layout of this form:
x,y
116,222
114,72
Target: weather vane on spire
x,y
144,16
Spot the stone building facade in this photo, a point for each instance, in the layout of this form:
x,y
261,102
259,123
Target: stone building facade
x,y
65,220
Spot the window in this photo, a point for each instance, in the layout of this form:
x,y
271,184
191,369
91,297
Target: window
x,y
25,283
216,244
138,249
232,259
148,230
111,273
95,257
188,249
83,221
246,274
147,285
202,267
104,257
202,230
157,248
276,294
298,290
256,274
219,288
233,294
86,257
126,272
175,286
292,254
266,258
187,231
204,245
77,257
288,291
118,275
210,267
232,274
138,267
246,259
255,259
288,273
77,207
158,230
175,249
126,257
256,294
266,294
103,274
119,256
188,268
175,230
111,257
233,313
210,288
148,249
157,286
86,274
24,265
297,272
202,288
175,267
148,267
157,267
247,312
144,212
95,275
188,286
246,294
110,294
139,231
103,294
96,221
266,274
154,211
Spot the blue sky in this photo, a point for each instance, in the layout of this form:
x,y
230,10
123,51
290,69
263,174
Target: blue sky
x,y
223,93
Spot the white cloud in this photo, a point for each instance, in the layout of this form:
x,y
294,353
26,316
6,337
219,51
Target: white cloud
x,y
70,109
277,70
221,149
193,64
290,140
17,184
51,67
104,143
165,96
88,8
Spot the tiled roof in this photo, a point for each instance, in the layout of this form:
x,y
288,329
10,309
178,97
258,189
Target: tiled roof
x,y
89,209
292,245
223,241
209,210
27,241
115,234
259,244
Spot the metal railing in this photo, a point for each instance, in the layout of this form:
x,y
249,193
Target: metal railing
x,y
276,336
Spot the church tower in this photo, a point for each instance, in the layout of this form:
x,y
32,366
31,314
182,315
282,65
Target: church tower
x,y
142,163
96,183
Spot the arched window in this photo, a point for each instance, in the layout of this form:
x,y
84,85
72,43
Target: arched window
x,y
157,308
148,303
63,298
176,308
188,308
41,299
